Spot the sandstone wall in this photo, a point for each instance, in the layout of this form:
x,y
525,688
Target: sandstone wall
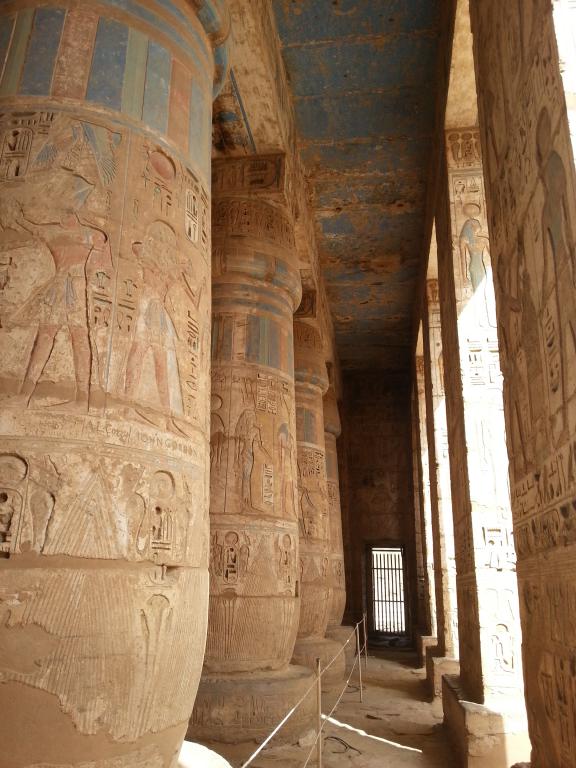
x,y
379,458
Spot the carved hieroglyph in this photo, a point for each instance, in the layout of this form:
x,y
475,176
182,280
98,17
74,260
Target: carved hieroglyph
x,y
313,502
439,469
530,189
423,475
486,561
332,430
104,414
254,564
254,533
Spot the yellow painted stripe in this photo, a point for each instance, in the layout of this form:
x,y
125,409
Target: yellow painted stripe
x,y
17,53
135,74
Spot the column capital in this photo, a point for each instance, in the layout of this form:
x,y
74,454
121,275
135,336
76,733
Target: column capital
x,y
309,365
332,423
263,176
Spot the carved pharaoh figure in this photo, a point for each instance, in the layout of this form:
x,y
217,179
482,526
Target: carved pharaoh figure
x,y
103,504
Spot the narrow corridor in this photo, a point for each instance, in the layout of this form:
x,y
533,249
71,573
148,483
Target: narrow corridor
x,y
394,726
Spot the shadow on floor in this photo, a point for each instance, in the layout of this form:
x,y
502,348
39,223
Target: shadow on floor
x,y
393,726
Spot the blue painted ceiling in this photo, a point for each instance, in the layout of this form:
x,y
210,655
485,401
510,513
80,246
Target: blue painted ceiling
x,y
363,77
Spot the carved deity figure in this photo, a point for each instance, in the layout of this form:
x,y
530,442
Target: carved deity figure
x,y
248,437
473,245
556,299
155,329
217,432
285,448
78,251
311,516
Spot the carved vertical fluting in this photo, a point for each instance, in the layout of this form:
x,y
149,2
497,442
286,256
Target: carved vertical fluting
x,y
313,502
105,338
254,586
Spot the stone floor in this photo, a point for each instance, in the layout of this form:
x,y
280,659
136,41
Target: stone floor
x,y
394,726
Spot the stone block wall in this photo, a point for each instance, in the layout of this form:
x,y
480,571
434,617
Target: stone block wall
x,y
379,458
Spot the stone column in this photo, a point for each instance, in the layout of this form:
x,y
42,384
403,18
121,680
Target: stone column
x,y
314,507
427,637
104,415
531,198
488,613
248,685
442,658
332,431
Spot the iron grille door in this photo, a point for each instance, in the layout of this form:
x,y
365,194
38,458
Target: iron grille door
x,y
389,608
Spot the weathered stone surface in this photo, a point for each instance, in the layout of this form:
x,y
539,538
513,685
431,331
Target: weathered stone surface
x,y
314,510
488,618
379,477
421,461
247,708
332,430
254,560
104,414
440,490
530,190
482,736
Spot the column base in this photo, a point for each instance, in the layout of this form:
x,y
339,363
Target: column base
x,y
423,642
308,649
436,667
340,635
483,736
246,707
192,755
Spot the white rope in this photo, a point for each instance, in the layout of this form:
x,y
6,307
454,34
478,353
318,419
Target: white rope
x,y
280,724
339,652
298,703
325,717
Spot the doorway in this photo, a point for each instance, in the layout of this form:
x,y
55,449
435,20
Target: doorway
x,y
388,616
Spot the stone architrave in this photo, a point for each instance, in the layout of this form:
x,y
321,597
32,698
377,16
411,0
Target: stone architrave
x,y
332,431
254,549
488,610
422,475
531,195
105,346
314,507
443,657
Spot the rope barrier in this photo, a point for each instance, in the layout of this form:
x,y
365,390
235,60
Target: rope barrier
x,y
315,685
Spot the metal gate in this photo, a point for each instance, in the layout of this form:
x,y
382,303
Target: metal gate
x,y
388,605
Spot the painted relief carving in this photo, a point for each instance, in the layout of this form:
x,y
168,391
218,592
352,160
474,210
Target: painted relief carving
x,y
308,304
265,173
229,557
252,218
67,297
464,148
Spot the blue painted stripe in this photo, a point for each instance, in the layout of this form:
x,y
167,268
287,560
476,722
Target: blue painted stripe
x,y
200,132
130,6
157,89
108,64
6,27
42,50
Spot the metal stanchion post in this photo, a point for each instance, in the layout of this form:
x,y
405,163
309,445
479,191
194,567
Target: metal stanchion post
x,y
365,625
359,653
319,703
